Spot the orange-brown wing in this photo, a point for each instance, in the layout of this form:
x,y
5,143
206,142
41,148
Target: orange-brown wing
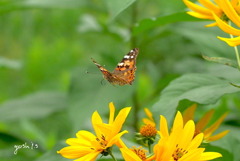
x,y
125,70
111,78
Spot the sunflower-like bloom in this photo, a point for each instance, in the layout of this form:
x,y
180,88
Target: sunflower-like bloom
x,y
222,12
87,146
232,12
203,122
181,144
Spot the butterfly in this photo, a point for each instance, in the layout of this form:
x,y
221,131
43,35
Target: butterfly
x,y
124,73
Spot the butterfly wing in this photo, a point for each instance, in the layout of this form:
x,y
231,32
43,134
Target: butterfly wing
x,y
105,72
125,70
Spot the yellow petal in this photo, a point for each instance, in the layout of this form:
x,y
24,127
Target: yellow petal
x,y
73,152
116,139
120,119
202,123
163,127
211,24
234,3
211,6
217,136
189,113
229,11
78,142
214,126
85,135
178,123
231,41
129,155
83,139
199,15
112,112
147,121
225,27
89,157
96,119
196,142
106,130
197,8
192,155
187,134
148,113
210,155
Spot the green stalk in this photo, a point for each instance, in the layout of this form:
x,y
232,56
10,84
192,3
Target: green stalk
x,y
111,154
237,53
235,49
149,147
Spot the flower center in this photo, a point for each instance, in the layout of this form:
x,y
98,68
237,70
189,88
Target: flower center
x,y
179,152
148,130
102,141
141,153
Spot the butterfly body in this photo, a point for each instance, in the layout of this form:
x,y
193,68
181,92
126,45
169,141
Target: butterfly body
x,y
124,73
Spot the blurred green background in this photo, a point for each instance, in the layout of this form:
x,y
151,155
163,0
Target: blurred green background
x,y
49,86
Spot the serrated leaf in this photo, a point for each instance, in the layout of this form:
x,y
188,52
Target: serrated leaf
x,y
221,60
200,88
117,6
37,105
150,23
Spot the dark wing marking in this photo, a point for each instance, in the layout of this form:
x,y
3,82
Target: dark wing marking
x,y
125,70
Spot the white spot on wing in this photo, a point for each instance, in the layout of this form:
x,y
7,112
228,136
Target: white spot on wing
x,y
120,64
126,56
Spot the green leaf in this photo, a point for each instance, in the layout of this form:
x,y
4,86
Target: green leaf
x,y
201,88
150,23
221,60
226,155
115,7
230,143
37,105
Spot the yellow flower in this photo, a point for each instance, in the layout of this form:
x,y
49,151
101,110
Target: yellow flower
x,y
134,154
233,14
222,12
88,146
203,122
180,144
148,131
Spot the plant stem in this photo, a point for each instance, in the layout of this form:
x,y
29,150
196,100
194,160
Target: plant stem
x,y
149,147
235,49
111,154
237,54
